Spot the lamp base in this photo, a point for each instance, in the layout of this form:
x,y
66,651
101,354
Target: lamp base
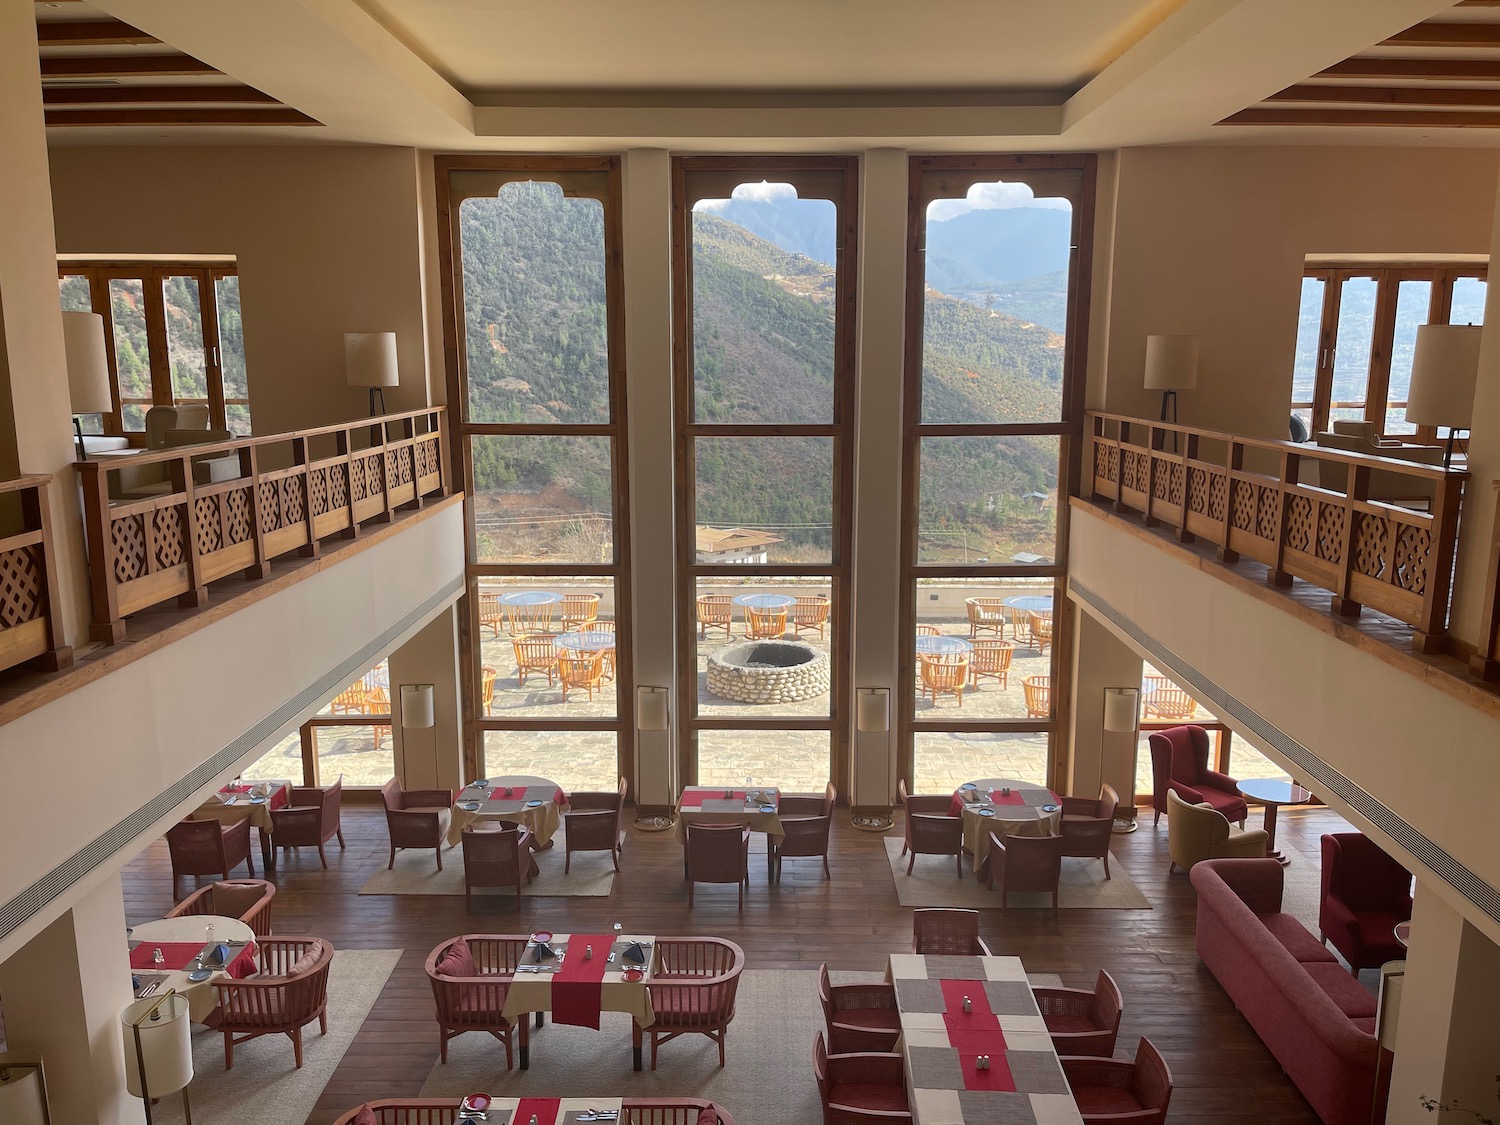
x,y
873,823
377,395
83,454
655,823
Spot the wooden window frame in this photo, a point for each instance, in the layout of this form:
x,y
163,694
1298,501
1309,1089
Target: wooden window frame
x,y
835,178
458,178
931,178
152,275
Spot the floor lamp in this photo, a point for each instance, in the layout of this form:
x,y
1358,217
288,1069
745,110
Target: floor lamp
x,y
1171,366
23,1089
1444,369
88,369
158,1051
370,361
1122,710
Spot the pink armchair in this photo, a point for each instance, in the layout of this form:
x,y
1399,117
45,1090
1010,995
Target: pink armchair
x,y
1365,894
859,1017
1118,1091
1179,763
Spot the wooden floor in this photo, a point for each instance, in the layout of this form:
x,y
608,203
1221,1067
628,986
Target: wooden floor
x,y
1222,1072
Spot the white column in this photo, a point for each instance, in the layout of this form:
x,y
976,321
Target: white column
x,y
877,525
648,392
1100,660
428,757
64,992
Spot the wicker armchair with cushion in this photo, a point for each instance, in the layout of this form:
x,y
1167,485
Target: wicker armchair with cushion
x,y
920,804
1199,832
470,976
866,1088
1087,825
1179,763
986,615
444,1111
990,657
859,1017
311,820
692,990
1120,1092
491,613
1365,894
806,821
249,900
535,652
289,991
1082,1022
1023,864
718,853
715,611
1039,623
497,857
810,612
595,823
416,818
206,847
947,933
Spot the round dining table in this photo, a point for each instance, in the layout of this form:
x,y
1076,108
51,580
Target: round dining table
x,y
763,602
586,642
189,929
530,597
538,808
942,646
1030,603
1028,810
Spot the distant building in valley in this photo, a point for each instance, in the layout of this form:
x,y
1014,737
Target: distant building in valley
x,y
734,545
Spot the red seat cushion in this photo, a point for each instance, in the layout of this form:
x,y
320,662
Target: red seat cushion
x,y
1342,989
1294,936
365,1116
1064,1023
1232,805
1105,1099
874,1019
458,961
869,1095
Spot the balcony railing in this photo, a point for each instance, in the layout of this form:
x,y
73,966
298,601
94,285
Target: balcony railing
x,y
29,627
1302,510
1485,663
164,524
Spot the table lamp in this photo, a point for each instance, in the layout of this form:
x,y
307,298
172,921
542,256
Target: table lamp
x,y
88,369
23,1089
370,361
158,1051
1171,366
1444,369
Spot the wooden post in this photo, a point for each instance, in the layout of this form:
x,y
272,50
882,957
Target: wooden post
x,y
250,468
1189,455
1277,575
107,625
1234,461
1485,663
308,550
36,508
182,481
1432,630
385,474
1357,487
345,444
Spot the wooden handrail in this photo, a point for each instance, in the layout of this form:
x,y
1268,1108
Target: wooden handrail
x,y
30,626
178,533
1395,559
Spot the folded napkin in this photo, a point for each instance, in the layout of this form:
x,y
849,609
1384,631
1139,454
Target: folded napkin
x,y
634,954
543,951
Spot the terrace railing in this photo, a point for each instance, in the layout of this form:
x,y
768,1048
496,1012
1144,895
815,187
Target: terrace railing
x,y
30,627
160,526
1303,510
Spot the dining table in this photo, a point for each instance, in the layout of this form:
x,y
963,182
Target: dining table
x,y
254,801
955,1010
757,806
1030,603
183,942
537,803
942,646
575,977
1027,809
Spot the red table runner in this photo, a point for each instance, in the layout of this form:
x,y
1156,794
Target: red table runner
x,y
545,1110
279,796
177,954
578,987
518,793
974,1033
694,798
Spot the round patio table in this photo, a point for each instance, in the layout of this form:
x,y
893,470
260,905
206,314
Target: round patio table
x,y
586,642
1030,603
942,646
1273,793
530,597
764,601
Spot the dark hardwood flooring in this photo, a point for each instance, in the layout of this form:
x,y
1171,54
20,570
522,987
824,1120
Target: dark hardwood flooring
x,y
1222,1072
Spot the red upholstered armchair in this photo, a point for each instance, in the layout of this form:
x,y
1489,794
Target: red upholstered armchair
x,y
859,1017
1365,894
1179,761
860,1089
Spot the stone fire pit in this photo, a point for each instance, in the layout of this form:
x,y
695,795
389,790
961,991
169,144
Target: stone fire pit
x,y
768,672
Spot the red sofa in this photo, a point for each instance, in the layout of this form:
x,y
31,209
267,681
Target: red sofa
x,y
1316,1019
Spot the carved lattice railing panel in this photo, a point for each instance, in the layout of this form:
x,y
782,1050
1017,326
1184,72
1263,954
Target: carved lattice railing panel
x,y
29,629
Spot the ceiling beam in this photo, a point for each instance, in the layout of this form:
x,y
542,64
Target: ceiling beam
x,y
1430,70
126,66
154,95
1408,118
1388,95
90,33
183,116
1447,35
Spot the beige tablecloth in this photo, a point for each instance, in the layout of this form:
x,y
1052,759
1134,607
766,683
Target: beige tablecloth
x,y
201,996
1026,819
715,808
532,992
543,819
258,815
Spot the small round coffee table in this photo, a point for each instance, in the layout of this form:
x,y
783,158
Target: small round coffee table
x,y
1273,793
1403,934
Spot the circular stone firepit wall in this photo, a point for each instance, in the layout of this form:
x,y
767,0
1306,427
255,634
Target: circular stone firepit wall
x,y
768,672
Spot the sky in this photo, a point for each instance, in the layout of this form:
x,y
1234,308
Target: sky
x,y
980,197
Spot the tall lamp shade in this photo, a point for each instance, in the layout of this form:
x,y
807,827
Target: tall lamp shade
x,y
23,1090
88,368
1444,369
1121,705
158,1051
650,708
416,706
370,361
1171,366
873,713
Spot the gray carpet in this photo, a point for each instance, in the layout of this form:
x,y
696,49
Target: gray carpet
x,y
265,1074
935,882
767,1078
416,873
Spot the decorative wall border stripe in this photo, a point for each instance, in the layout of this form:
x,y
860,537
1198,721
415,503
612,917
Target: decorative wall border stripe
x,y
54,883
1329,780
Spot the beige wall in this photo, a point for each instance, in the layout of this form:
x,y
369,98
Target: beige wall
x,y
1211,242
328,241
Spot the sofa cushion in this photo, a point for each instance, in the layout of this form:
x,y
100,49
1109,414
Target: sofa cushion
x,y
1342,989
1295,938
1365,1024
1232,805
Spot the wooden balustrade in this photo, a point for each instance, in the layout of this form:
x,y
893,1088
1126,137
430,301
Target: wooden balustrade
x,y
1397,560
144,550
1485,663
30,626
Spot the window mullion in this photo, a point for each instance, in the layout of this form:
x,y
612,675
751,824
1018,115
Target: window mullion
x,y
1327,349
156,336
1377,386
213,360
114,421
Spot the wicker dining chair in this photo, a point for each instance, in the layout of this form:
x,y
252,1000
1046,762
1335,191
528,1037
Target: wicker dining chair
x,y
578,609
533,618
491,613
1038,690
416,818
991,657
935,835
580,670
1023,864
944,673
928,631
594,822
206,847
859,1017
288,992
487,688
311,819
609,653
805,820
986,615
863,1088
810,612
470,977
1114,1090
693,989
1165,700
535,652
249,900
497,857
718,853
947,933
715,611
923,804
1080,1021
1040,626
764,624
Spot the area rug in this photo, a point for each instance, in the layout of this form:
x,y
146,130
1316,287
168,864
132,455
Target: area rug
x,y
934,882
767,1077
416,873
265,1074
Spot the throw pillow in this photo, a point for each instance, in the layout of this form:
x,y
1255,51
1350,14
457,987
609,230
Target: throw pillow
x,y
458,961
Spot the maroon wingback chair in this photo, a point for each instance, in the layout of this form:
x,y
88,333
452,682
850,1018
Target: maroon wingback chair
x,y
1365,894
1179,760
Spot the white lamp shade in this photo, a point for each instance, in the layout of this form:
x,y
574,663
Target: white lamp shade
x,y
1171,363
873,715
166,1050
1444,369
650,708
416,706
21,1098
370,359
1388,1010
1121,706
88,366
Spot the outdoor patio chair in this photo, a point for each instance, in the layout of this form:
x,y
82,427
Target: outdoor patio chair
x,y
594,823
859,1017
810,612
718,853
927,631
497,857
1088,825
715,611
487,688
693,989
1038,691
353,700
289,991
609,653
416,818
864,1088
578,609
580,670
990,657
531,618
986,615
1040,625
1019,621
806,821
944,673
491,613
1116,1090
765,624
1080,1021
206,847
1165,700
470,977
535,652
947,933
1023,864
311,819
249,900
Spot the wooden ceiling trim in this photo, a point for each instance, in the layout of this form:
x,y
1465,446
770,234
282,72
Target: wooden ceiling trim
x,y
1447,35
177,116
127,66
90,33
154,95
1434,70
1388,95
1408,118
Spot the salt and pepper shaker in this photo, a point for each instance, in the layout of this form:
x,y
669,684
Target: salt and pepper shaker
x,y
533,1120
159,957
982,1062
588,952
968,1005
